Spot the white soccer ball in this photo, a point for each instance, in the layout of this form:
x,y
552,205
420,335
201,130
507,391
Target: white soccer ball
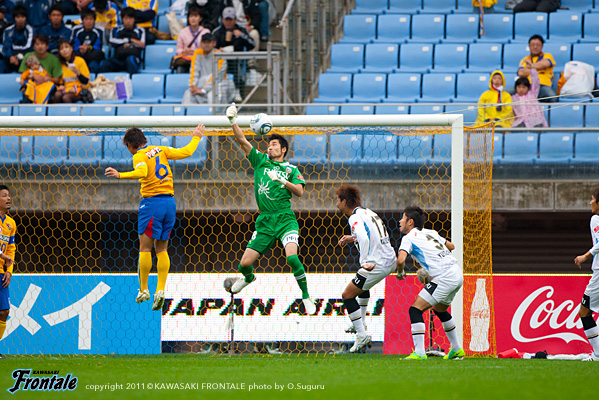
x,y
261,124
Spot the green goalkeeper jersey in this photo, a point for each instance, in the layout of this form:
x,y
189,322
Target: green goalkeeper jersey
x,y
270,195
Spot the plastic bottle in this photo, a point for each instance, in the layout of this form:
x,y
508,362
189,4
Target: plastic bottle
x,y
480,318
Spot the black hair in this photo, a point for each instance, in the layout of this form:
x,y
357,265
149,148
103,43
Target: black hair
x,y
523,82
282,141
595,194
41,37
208,37
87,12
416,214
539,37
195,9
128,12
4,187
62,60
101,5
56,7
351,194
19,11
134,137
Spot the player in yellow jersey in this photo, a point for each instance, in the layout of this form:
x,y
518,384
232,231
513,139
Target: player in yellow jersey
x,y
157,208
8,228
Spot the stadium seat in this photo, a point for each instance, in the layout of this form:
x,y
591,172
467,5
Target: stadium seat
x,y
450,58
112,76
510,79
175,86
484,57
370,7
441,151
513,53
198,110
470,87
591,116
464,7
162,22
555,147
590,27
414,150
497,148
147,88
586,52
438,7
85,151
10,153
197,160
379,150
565,27
428,109
334,88
405,6
30,110
347,57
438,88
315,109
101,111
133,110
520,148
470,111
369,88
160,140
499,28
66,111
309,149
49,151
10,93
415,57
5,111
461,28
168,110
564,116
346,150
500,7
356,110
403,88
561,52
527,24
393,28
115,154
158,59
389,109
586,148
359,28
428,28
581,6
380,57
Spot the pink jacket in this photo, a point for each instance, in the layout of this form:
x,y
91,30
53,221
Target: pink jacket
x,y
186,37
529,111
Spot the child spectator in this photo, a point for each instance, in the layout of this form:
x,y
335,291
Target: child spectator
x,y
527,109
145,15
75,75
496,100
128,41
107,14
87,40
17,40
189,39
56,30
34,92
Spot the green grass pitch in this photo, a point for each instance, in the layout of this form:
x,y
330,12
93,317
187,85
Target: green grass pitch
x,y
328,377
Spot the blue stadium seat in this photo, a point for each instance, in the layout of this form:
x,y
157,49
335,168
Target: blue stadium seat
x,y
428,28
500,7
591,116
484,57
49,151
347,57
346,149
197,160
10,93
162,23
564,116
10,153
513,53
356,110
381,57
379,150
470,87
133,110
85,151
158,59
428,109
414,150
510,79
30,110
64,111
315,109
111,76
403,88
565,27
441,150
309,150
586,148
389,109
160,140
5,111
591,27
520,148
369,88
370,7
450,58
586,52
527,24
470,111
461,28
438,88
334,88
405,6
555,147
438,7
198,110
415,57
100,111
561,52
359,28
393,28
115,154
499,28
168,110
581,6
175,86
497,148
464,7
147,88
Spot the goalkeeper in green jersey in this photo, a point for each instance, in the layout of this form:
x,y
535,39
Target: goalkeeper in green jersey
x,y
275,180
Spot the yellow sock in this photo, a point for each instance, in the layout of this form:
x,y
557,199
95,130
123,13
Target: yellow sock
x,y
2,328
145,265
163,265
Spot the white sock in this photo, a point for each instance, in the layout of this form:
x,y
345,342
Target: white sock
x,y
593,338
363,303
356,319
452,334
418,331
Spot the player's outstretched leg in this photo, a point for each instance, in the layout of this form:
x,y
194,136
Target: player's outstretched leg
x,y
592,333
418,331
162,265
300,277
145,265
451,332
355,315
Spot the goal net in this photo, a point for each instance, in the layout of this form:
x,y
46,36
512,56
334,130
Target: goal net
x,y
75,281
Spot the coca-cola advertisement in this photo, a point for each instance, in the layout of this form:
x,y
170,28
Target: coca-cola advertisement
x,y
540,312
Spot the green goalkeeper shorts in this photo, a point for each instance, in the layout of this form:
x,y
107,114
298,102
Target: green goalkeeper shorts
x,y
280,226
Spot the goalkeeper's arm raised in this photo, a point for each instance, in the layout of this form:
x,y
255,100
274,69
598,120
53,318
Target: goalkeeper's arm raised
x,y
239,136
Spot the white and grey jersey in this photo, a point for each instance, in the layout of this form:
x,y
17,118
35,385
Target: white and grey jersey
x,y
372,238
428,248
595,237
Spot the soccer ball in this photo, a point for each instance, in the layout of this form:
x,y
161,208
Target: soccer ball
x,y
261,124
423,276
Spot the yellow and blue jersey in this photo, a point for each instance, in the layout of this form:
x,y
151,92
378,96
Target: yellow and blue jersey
x,y
8,229
143,5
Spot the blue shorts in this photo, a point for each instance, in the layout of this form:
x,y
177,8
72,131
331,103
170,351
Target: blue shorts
x,y
157,216
4,300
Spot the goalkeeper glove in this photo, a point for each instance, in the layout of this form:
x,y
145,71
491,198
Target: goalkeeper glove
x,y
232,113
277,177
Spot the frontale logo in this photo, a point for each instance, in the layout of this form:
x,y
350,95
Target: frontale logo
x,y
24,381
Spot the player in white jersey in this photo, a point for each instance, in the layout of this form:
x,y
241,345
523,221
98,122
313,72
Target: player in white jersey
x,y
590,298
432,252
377,258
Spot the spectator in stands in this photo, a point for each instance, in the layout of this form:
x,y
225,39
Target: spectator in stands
x,y
145,15
527,109
211,10
203,78
48,61
546,6
543,63
128,41
189,39
496,100
17,40
56,30
37,12
241,8
75,75
488,6
69,7
6,18
87,40
35,88
107,15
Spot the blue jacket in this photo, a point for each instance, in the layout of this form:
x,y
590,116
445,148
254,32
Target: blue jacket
x,y
93,38
8,5
37,12
54,35
16,41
